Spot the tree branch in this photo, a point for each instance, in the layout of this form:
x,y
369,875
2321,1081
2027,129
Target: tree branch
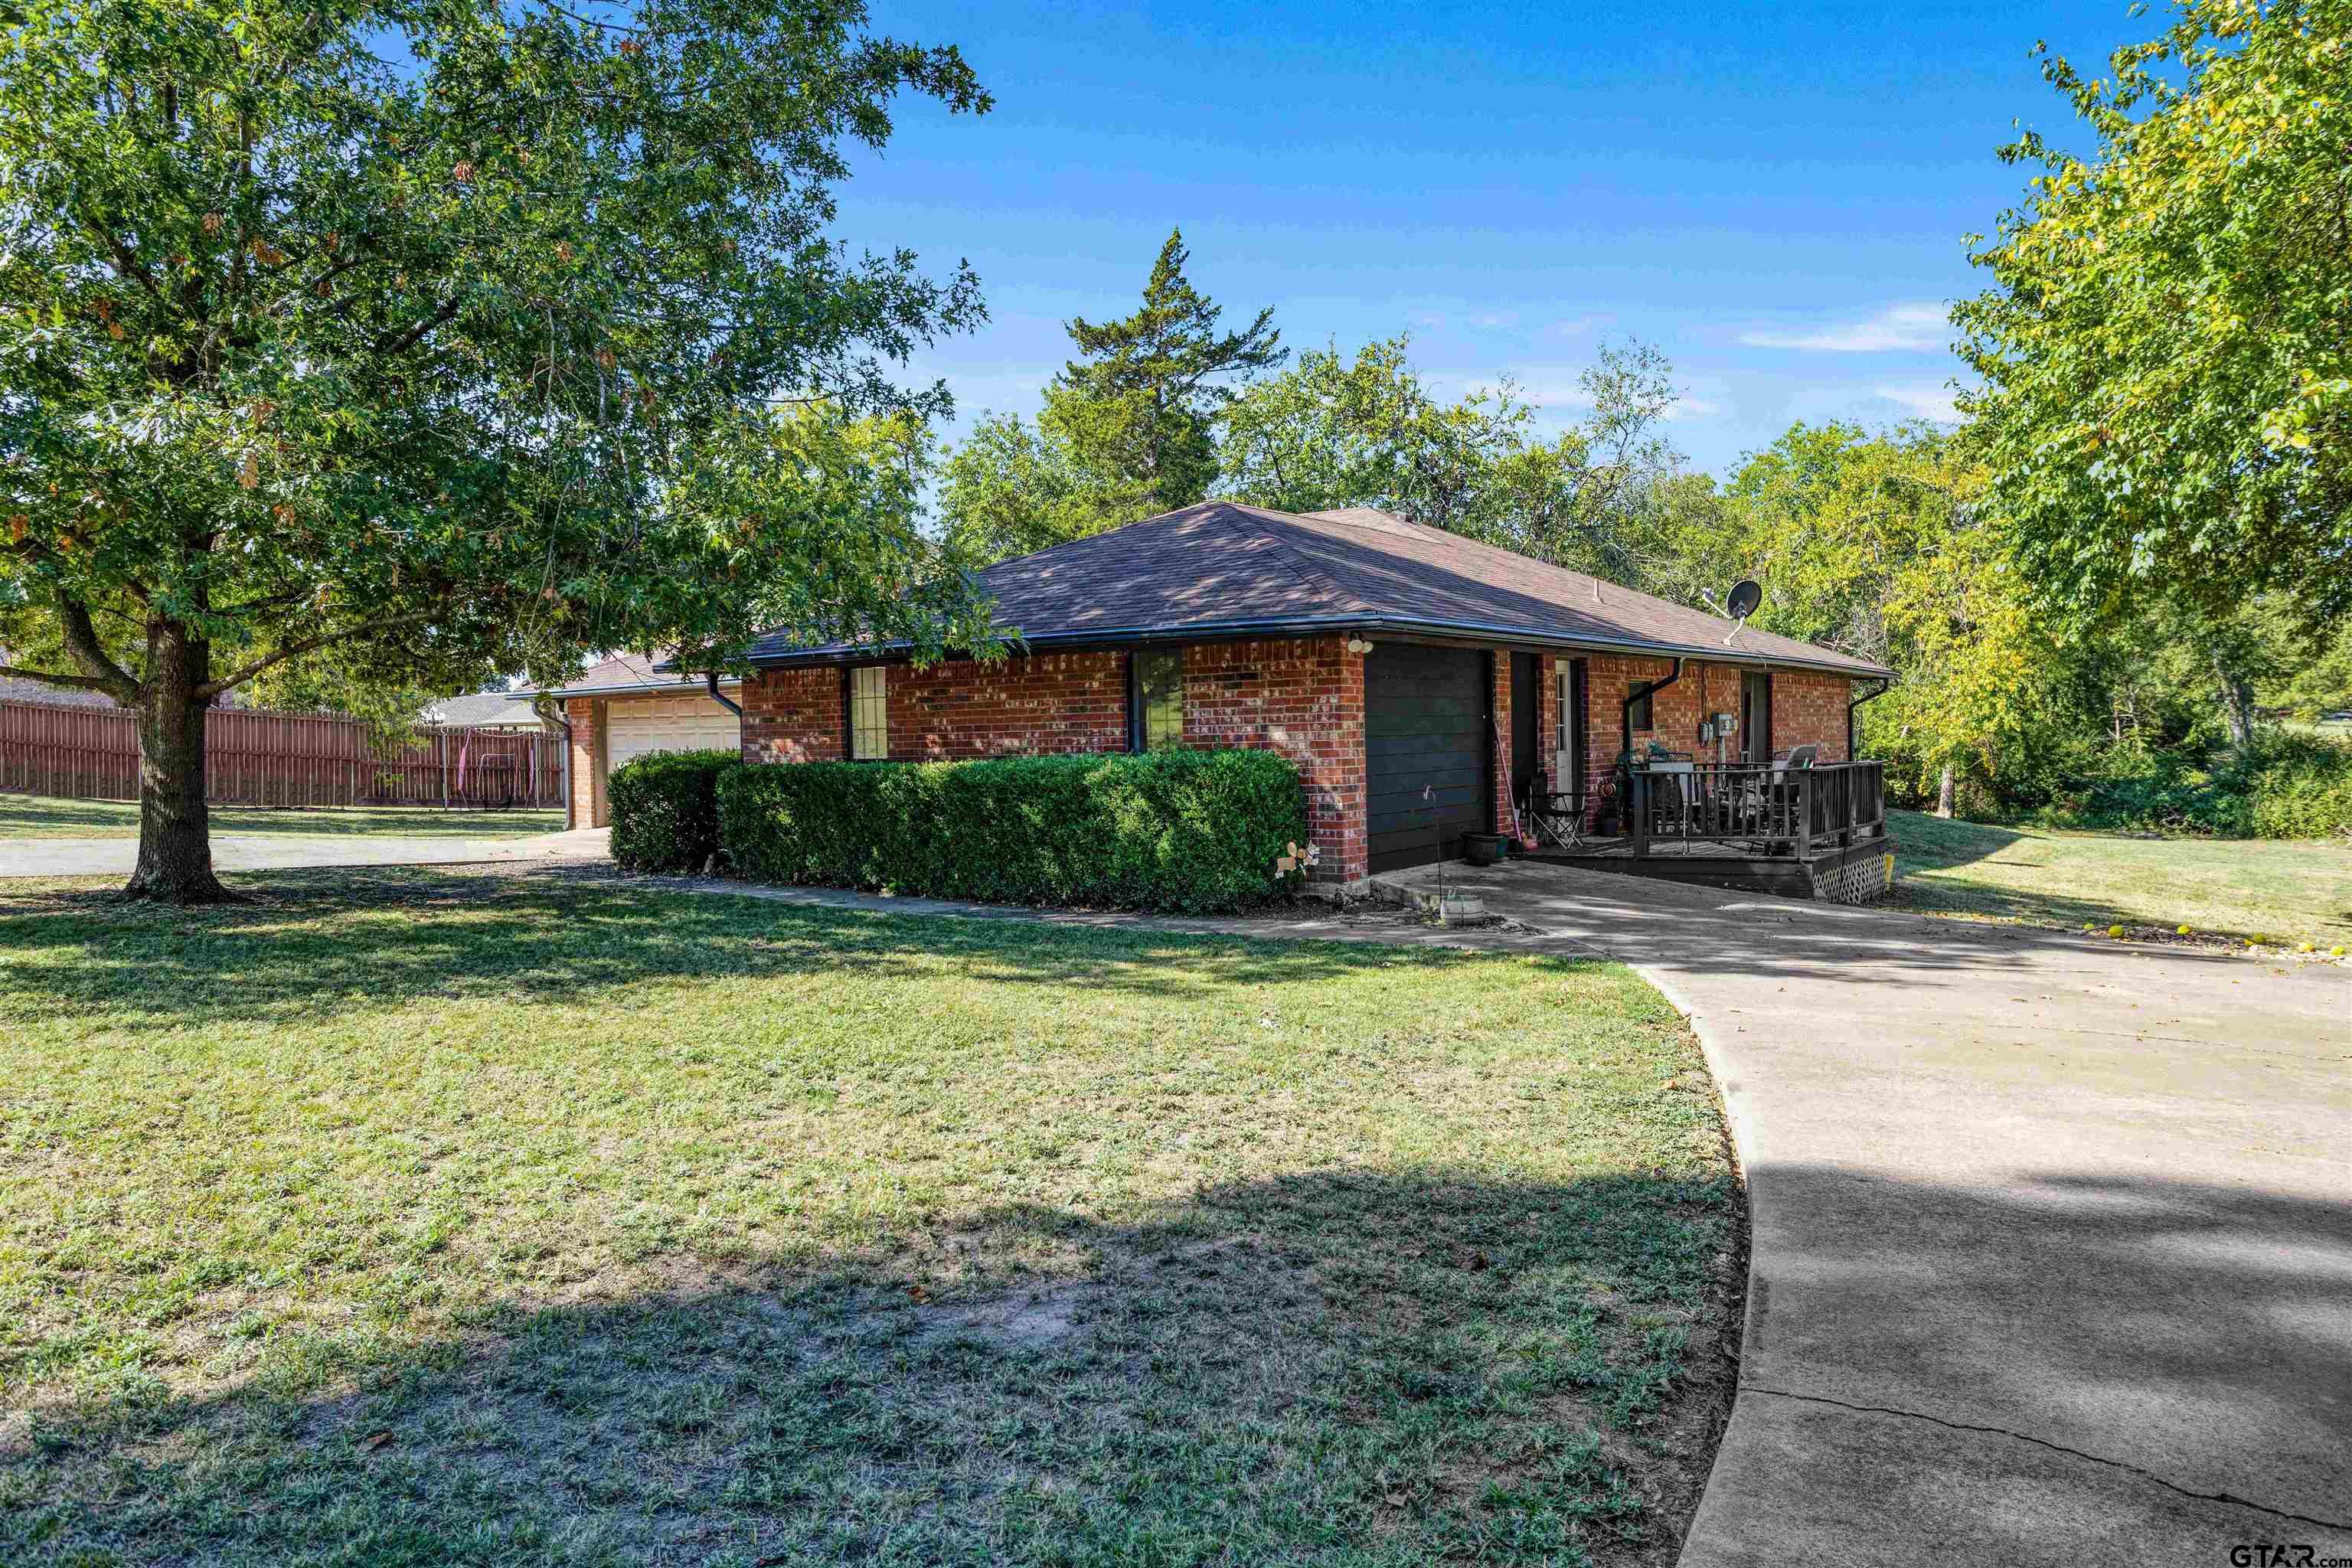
x,y
211,689
81,641
72,682
400,342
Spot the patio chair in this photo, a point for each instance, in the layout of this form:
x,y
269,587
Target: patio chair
x,y
1673,805
1763,796
1556,816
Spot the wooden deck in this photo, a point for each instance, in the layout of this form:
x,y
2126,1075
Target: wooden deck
x,y
1806,832
1844,873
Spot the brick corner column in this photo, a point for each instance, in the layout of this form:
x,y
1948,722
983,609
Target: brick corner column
x,y
1339,797
586,805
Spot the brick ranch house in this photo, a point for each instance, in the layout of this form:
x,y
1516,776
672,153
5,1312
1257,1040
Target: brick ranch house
x,y
1420,680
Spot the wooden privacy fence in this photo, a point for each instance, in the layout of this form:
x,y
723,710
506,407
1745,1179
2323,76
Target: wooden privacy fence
x,y
258,758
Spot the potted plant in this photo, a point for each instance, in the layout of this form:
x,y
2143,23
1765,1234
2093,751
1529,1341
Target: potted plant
x,y
1483,848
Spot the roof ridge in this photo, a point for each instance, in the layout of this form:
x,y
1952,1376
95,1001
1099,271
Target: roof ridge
x,y
1336,596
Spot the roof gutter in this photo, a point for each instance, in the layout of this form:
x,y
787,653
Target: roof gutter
x,y
1636,694
684,687
1884,687
710,680
1383,625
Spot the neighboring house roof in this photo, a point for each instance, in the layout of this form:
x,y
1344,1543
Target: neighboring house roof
x,y
624,675
17,688
476,708
1223,569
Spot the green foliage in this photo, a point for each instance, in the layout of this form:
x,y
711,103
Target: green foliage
x,y
1127,430
2168,351
666,809
1174,830
1602,496
450,334
2286,786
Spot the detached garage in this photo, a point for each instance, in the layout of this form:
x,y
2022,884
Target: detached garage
x,y
622,710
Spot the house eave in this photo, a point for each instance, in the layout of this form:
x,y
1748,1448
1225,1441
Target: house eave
x,y
684,688
1368,626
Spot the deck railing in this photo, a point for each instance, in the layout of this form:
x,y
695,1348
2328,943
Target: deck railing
x,y
1757,808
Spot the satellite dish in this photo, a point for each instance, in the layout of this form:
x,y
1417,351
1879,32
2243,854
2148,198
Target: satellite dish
x,y
1745,595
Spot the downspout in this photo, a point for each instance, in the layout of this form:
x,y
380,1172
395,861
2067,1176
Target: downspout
x,y
1884,687
1625,711
710,678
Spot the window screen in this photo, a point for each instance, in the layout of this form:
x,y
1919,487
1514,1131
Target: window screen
x,y
1640,713
1158,699
1563,737
869,713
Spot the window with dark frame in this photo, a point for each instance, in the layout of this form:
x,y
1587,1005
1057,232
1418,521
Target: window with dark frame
x,y
869,713
1638,715
1156,698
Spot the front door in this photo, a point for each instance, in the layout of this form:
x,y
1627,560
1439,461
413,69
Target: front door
x,y
1756,716
1526,732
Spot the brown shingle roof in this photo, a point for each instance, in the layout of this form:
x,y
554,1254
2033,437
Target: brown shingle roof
x,y
1229,569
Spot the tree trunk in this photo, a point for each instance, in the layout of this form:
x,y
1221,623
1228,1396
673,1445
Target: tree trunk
x,y
176,849
2237,702
1946,792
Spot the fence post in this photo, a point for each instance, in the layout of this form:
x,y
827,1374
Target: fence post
x,y
1805,781
1637,792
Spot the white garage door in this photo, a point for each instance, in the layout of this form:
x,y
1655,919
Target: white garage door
x,y
636,725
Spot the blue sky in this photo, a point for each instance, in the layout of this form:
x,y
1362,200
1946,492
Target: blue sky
x,y
1774,195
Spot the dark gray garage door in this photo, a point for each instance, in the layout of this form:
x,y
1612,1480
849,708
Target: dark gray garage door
x,y
1424,730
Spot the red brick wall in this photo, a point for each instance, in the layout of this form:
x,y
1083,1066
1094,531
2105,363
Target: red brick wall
x,y
586,806
1304,698
792,716
1807,708
1052,703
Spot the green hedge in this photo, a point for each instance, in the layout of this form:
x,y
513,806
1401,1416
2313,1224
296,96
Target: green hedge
x,y
665,813
1180,831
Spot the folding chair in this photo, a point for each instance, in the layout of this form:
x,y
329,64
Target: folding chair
x,y
1557,817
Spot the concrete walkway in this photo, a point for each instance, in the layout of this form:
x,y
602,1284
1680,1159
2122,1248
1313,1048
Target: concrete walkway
x,y
291,852
2051,1252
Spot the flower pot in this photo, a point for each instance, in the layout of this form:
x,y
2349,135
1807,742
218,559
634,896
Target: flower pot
x,y
1483,848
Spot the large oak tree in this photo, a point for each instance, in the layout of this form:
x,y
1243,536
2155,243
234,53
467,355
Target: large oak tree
x,y
2167,355
445,337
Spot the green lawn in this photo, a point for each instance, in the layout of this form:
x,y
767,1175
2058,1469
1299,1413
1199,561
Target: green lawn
x,y
2289,890
419,1217
39,816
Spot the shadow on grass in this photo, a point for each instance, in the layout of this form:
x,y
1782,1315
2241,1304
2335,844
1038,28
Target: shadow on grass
x,y
330,944
1340,1367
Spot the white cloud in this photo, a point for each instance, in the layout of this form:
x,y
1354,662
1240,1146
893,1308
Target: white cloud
x,y
1694,408
1925,400
1909,326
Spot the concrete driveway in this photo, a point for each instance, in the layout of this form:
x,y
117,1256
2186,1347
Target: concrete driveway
x,y
2052,1249
289,852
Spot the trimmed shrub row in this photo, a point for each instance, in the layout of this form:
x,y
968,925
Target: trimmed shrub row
x,y
1181,830
664,810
